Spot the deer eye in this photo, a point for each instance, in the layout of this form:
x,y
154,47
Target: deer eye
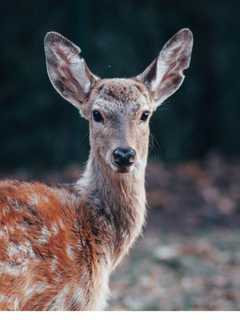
x,y
145,115
97,116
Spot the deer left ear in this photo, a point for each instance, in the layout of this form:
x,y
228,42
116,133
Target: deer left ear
x,y
67,70
165,75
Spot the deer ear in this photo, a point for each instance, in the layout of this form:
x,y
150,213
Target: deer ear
x,y
67,70
165,75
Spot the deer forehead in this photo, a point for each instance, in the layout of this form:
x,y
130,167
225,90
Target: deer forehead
x,y
121,95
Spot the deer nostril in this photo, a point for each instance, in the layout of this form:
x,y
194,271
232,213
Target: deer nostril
x,y
124,157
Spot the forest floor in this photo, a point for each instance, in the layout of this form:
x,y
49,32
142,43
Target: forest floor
x,y
188,257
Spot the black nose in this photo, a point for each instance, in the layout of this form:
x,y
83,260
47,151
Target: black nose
x,y
124,157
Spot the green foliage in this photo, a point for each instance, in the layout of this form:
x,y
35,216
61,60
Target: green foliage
x,y
118,38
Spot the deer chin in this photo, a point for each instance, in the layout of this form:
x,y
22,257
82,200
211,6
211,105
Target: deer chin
x,y
122,170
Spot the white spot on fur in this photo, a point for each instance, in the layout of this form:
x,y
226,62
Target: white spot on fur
x,y
20,252
55,229
3,298
34,199
35,289
13,249
44,235
70,252
12,270
54,264
2,234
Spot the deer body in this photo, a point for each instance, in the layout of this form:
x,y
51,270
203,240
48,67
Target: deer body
x,y
59,245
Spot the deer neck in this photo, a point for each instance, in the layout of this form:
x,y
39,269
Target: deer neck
x,y
120,197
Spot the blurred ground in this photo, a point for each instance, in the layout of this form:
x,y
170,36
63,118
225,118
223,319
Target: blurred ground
x,y
188,257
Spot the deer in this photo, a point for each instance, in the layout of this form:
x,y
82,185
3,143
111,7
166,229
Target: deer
x,y
60,244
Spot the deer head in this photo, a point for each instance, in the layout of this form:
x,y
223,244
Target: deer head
x,y
118,110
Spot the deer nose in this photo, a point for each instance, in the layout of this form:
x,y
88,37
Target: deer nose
x,y
124,157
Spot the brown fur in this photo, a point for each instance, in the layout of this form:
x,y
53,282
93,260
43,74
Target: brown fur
x,y
97,234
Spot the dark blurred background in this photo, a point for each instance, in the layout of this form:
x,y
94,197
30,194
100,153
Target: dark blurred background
x,y
189,256
118,38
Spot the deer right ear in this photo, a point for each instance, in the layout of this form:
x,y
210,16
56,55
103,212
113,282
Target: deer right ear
x,y
67,70
165,75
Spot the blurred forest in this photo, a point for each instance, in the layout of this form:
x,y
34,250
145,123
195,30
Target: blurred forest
x,y
118,38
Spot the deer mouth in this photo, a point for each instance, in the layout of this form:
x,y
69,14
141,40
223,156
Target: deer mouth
x,y
122,168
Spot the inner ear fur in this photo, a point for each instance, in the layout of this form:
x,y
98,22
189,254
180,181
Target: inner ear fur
x,y
67,70
164,75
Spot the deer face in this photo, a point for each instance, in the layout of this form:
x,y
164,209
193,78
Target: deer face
x,y
118,110
119,115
